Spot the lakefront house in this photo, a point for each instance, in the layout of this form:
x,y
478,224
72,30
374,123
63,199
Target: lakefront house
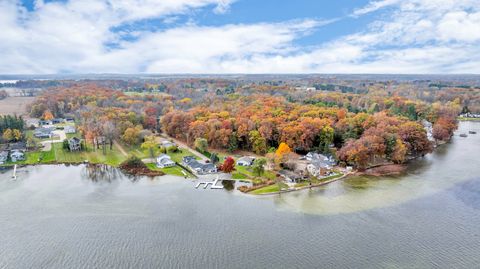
x,y
74,144
17,155
198,167
163,160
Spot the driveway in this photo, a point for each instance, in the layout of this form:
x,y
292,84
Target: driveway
x,y
59,136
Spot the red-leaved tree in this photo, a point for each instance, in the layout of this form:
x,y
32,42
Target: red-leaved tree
x,y
228,165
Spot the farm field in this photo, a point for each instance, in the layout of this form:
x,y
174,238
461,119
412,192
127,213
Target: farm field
x,y
15,105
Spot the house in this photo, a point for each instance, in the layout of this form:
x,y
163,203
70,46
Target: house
x,y
318,168
44,122
17,155
18,146
164,161
313,156
69,129
428,126
166,144
245,161
3,156
57,121
74,144
290,176
198,167
43,132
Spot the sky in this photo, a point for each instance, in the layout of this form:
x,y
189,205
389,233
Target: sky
x,y
240,36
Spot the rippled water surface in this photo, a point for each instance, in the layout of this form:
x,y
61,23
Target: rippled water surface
x,y
81,217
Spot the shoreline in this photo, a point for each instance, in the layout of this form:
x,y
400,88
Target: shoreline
x,y
304,187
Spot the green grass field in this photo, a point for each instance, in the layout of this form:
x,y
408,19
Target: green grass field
x,y
318,181
174,171
112,157
468,119
245,172
269,189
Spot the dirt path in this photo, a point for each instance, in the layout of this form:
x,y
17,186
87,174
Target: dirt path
x,y
181,145
122,150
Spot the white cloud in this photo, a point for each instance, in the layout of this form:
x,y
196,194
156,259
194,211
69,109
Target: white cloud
x,y
414,36
374,6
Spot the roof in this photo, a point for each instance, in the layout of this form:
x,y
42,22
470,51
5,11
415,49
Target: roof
x,y
46,130
194,164
320,164
164,159
17,146
289,174
17,153
74,140
246,159
167,144
188,159
163,156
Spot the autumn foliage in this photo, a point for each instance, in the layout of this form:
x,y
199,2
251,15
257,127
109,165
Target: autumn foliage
x,y
228,165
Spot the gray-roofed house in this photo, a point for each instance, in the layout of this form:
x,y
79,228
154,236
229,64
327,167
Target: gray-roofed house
x,y
245,161
43,132
58,120
17,155
20,146
3,156
163,160
198,167
319,164
290,176
74,144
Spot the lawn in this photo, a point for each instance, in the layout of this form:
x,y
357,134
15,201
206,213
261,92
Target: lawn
x,y
36,157
468,119
318,181
174,171
112,157
269,189
177,156
245,172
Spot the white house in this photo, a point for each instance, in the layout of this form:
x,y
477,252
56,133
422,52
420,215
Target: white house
x,y
166,144
17,155
245,161
69,129
318,168
164,161
3,156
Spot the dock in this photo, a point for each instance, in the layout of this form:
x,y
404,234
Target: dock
x,y
14,176
213,184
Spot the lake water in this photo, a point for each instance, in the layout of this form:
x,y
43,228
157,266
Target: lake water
x,y
81,217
